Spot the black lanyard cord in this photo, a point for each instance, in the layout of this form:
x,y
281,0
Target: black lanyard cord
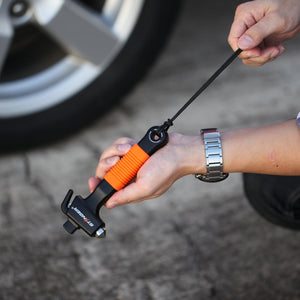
x,y
170,121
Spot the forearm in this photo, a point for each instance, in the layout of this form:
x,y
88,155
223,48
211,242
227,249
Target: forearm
x,y
272,149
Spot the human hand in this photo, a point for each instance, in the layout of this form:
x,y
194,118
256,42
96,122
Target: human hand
x,y
260,27
181,156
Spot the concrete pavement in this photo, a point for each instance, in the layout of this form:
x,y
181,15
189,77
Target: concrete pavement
x,y
198,241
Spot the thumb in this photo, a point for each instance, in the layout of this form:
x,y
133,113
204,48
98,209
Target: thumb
x,y
134,192
257,33
131,193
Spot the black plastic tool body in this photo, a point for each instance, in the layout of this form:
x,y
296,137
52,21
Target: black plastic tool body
x,y
84,213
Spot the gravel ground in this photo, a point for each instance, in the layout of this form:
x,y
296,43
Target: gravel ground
x,y
198,241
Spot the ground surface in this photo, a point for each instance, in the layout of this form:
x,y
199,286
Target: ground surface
x,y
198,241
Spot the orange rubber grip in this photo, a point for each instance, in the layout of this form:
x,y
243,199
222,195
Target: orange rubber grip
x,y
126,168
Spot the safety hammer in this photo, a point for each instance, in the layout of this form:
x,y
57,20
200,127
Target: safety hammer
x,y
84,213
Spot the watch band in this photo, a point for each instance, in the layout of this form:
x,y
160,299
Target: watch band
x,y
214,156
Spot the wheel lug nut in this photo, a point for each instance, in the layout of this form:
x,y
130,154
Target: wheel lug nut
x,y
18,8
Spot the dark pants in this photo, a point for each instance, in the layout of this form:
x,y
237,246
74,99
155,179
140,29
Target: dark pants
x,y
276,198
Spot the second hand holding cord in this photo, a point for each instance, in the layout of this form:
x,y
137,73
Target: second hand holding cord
x,y
84,213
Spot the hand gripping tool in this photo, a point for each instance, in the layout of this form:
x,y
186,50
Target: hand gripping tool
x,y
84,213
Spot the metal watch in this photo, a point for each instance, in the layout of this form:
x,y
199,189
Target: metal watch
x,y
214,156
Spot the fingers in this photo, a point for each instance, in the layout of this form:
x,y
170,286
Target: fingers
x,y
243,20
251,40
254,24
93,182
124,140
239,26
109,158
112,155
266,55
105,164
258,32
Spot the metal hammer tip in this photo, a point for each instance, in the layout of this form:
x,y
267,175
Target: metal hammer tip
x,y
100,233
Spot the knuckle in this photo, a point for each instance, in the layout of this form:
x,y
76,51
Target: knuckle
x,y
107,163
229,40
110,151
111,161
243,8
101,164
240,8
281,21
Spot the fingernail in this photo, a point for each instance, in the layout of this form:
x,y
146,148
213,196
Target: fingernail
x,y
245,42
111,160
275,53
124,147
111,204
281,49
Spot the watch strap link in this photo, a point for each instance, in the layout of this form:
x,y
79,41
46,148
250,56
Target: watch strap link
x,y
214,156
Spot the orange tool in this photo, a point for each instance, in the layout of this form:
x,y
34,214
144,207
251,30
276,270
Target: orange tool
x,y
84,213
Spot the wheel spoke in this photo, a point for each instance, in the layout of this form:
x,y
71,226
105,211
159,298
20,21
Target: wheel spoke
x,y
79,31
6,34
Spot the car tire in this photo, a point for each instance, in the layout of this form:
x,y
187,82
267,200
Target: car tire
x,y
142,46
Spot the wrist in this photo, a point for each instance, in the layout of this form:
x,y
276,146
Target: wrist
x,y
191,154
197,159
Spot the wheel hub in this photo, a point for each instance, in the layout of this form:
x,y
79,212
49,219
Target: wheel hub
x,y
104,29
